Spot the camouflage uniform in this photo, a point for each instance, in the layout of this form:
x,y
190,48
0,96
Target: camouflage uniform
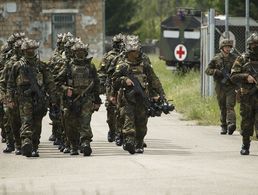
x,y
219,67
29,80
12,116
244,73
133,105
105,72
80,77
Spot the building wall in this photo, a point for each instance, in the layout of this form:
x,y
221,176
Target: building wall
x,y
35,18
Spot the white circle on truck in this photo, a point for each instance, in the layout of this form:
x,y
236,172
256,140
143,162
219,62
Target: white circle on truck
x,y
180,52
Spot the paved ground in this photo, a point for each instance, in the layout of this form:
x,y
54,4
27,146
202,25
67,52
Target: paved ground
x,y
181,158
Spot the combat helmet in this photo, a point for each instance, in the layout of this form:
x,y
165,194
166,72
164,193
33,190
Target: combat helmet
x,y
80,50
29,44
253,39
225,42
132,43
118,42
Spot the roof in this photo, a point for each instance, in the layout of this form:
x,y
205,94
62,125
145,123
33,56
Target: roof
x,y
191,22
234,21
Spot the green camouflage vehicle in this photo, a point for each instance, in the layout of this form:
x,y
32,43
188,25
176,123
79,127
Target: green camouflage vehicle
x,y
180,39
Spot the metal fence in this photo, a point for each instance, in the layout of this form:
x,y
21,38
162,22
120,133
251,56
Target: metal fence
x,y
211,33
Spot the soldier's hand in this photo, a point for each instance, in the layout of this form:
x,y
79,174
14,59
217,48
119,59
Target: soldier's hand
x,y
156,98
112,99
129,82
251,79
69,92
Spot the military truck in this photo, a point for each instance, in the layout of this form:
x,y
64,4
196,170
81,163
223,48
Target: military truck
x,y
179,42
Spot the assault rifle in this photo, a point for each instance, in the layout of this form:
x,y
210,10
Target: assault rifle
x,y
226,75
137,90
254,74
38,95
75,104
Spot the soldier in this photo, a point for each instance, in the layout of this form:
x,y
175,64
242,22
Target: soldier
x,y
220,67
105,72
245,73
12,122
133,79
28,81
80,86
56,62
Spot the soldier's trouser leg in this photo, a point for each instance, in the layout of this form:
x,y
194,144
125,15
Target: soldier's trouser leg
x,y
141,120
111,117
247,112
129,120
85,120
15,123
3,134
37,128
72,129
230,104
7,127
221,98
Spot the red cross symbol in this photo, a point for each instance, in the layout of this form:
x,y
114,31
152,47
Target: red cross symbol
x,y
180,52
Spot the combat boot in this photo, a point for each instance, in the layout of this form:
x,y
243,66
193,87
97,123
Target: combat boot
x,y
86,149
111,136
18,151
223,130
245,149
27,148
74,151
35,153
119,139
129,144
139,147
66,150
231,128
9,148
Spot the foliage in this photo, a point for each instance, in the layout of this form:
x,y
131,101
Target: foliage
x,y
143,17
118,16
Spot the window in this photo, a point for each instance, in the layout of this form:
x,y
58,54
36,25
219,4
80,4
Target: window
x,y
192,35
62,23
170,34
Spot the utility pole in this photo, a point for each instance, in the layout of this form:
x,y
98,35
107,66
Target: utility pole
x,y
226,20
247,26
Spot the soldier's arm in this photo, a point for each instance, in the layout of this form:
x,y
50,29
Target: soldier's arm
x,y
154,82
96,87
211,69
11,81
237,74
49,83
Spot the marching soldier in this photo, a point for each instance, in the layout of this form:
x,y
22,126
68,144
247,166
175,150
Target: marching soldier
x,y
220,67
245,73
30,82
134,79
80,86
105,72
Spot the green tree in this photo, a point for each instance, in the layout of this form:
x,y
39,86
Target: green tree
x,y
118,16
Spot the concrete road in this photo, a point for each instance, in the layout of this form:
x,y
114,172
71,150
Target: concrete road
x,y
181,158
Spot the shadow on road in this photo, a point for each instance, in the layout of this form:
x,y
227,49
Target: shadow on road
x,y
104,148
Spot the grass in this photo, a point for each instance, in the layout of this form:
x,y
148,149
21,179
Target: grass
x,y
184,90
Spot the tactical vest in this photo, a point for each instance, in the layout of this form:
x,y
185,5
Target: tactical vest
x,y
80,76
23,80
139,72
251,68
